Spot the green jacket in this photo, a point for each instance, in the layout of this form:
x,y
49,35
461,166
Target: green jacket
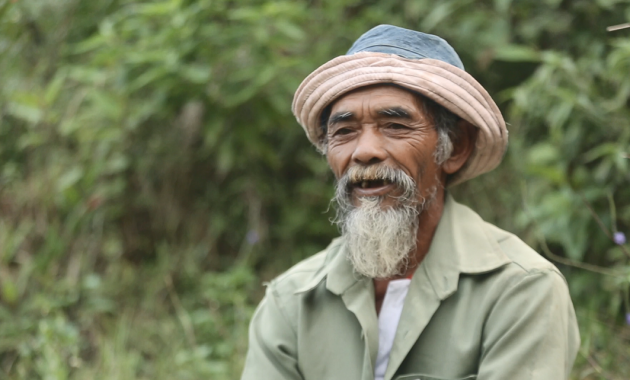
x,y
482,305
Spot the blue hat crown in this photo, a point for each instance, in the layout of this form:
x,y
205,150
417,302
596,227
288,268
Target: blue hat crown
x,y
406,43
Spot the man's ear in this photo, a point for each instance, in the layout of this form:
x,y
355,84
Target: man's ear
x,y
462,147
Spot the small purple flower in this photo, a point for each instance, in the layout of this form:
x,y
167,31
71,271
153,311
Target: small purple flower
x,y
628,318
252,237
619,238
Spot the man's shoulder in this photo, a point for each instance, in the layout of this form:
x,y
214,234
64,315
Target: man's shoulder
x,y
306,272
523,258
494,247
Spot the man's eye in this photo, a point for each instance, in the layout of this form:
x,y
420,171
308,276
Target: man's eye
x,y
397,126
342,131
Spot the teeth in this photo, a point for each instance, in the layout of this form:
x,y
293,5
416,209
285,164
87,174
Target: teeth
x,y
364,184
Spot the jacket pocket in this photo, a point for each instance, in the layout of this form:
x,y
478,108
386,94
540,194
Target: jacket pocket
x,y
425,377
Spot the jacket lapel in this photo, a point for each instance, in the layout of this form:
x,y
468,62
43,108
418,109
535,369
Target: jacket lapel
x,y
420,305
359,299
460,245
357,293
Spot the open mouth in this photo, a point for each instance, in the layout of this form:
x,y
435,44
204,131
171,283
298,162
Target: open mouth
x,y
371,183
372,187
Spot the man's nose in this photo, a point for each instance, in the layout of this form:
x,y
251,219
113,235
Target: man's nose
x,y
369,148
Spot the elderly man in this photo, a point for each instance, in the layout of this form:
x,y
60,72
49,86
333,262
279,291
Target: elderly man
x,y
418,286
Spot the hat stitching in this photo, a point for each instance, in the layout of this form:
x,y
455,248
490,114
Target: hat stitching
x,y
392,46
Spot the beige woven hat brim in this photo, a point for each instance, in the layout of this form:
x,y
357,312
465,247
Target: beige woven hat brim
x,y
446,84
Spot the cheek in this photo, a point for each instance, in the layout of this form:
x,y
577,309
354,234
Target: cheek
x,y
416,155
415,150
337,161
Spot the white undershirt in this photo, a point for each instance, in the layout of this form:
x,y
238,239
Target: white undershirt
x,y
388,319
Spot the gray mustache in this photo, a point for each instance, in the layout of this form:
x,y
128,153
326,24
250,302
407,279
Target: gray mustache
x,y
357,174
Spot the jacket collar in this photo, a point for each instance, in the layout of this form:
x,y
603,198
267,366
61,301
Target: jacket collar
x,y
462,244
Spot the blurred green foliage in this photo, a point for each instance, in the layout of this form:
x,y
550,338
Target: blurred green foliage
x,y
152,175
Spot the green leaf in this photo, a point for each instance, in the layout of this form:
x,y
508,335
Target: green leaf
x,y
29,113
69,178
516,53
9,291
543,154
54,87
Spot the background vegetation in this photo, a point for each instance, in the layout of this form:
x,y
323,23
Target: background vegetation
x,y
152,175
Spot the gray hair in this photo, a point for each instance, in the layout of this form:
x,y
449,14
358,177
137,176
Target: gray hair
x,y
445,122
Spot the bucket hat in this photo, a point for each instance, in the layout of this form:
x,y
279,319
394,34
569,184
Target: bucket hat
x,y
420,62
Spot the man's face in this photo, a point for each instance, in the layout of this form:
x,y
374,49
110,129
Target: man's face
x,y
380,147
383,126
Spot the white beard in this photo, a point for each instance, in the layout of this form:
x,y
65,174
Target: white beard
x,y
379,240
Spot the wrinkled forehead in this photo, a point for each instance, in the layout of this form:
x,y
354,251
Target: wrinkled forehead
x,y
383,100
382,94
